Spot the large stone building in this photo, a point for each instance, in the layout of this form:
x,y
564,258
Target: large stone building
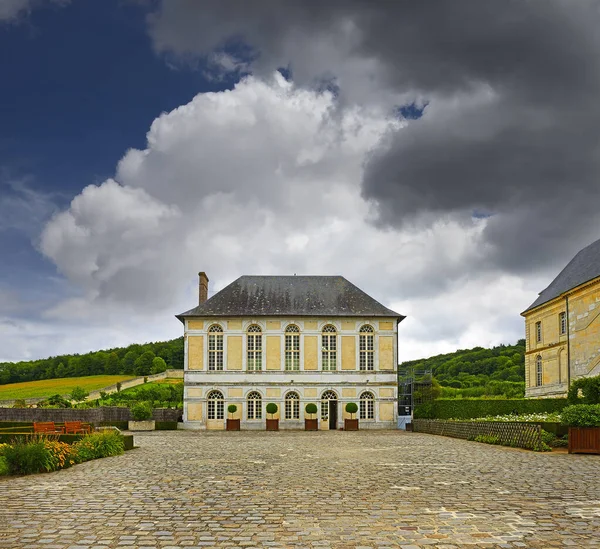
x,y
562,328
289,340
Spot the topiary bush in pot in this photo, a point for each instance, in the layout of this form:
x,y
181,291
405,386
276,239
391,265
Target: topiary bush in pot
x,y
272,423
312,423
232,424
351,424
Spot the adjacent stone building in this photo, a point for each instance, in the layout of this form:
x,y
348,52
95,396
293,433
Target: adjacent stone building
x,y
289,340
562,328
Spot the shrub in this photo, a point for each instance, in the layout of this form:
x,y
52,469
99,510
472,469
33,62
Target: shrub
x,y
3,466
272,408
351,408
553,441
141,411
581,415
55,401
19,403
25,457
78,394
585,390
2,447
99,445
232,409
61,454
311,408
475,408
487,439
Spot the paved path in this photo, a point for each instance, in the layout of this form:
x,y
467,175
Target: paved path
x,y
302,489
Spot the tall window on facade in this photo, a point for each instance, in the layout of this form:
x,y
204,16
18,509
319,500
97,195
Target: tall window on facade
x,y
562,323
539,374
254,405
366,348
367,405
292,405
215,347
538,332
254,351
325,398
292,347
329,347
216,405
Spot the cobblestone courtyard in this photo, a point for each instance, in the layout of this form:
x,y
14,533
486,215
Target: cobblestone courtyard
x,y
303,489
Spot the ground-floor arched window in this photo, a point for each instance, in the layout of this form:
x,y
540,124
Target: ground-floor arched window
x,y
325,398
254,405
216,405
367,405
292,405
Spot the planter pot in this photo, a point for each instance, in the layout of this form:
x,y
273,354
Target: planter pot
x,y
233,424
584,440
272,425
409,427
311,424
147,425
351,425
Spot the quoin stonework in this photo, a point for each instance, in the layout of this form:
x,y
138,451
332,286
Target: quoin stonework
x,y
291,340
562,328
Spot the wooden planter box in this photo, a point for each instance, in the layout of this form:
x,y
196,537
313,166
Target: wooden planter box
x,y
584,440
311,424
351,425
272,425
233,424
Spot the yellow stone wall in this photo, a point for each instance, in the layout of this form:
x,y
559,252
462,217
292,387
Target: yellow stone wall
x,y
194,392
195,352
194,411
348,352
195,324
310,393
234,353
386,352
273,352
311,356
386,411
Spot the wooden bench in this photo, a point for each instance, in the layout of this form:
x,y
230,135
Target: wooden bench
x,y
77,427
47,428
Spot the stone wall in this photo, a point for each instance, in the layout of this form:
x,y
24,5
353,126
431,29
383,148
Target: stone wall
x,y
95,416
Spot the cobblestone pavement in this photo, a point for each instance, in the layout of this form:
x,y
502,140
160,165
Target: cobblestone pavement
x,y
304,489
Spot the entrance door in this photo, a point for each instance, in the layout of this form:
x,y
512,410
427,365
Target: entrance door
x,y
332,414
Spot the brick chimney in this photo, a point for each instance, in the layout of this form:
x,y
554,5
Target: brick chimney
x,y
203,288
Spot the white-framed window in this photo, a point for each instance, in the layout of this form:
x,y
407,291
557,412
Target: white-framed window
x,y
254,347
538,332
366,346
292,405
292,347
216,405
329,347
562,323
254,405
325,398
539,372
215,347
367,405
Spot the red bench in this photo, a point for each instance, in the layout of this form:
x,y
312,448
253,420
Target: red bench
x,y
77,427
47,428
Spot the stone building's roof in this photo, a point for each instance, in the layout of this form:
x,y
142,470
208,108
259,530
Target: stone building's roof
x,y
585,266
290,296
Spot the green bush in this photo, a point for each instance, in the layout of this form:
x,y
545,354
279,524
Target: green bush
x,y
272,408
99,445
55,401
476,408
141,411
19,403
3,466
581,415
585,390
25,457
311,408
351,408
78,394
232,408
553,441
487,439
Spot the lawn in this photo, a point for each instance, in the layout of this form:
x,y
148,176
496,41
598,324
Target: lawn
x,y
63,386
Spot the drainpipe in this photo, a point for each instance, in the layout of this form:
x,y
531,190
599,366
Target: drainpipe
x,y
568,345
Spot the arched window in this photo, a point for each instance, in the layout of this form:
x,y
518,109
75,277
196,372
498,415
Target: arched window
x,y
539,373
254,406
292,405
367,405
254,347
216,405
366,348
325,398
292,347
215,347
329,347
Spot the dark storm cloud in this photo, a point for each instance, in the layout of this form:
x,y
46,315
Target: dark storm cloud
x,y
512,122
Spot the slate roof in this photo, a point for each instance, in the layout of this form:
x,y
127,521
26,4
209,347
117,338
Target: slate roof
x,y
585,266
291,296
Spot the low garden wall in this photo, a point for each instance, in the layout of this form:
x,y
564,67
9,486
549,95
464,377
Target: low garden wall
x,y
516,434
95,416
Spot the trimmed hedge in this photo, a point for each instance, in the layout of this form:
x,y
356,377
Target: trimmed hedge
x,y
474,408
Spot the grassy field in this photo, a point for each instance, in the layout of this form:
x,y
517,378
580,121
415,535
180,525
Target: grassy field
x,y
62,386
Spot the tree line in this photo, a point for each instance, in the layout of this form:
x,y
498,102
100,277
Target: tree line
x,y
137,359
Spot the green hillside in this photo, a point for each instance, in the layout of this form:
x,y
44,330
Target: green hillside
x,y
478,372
135,360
